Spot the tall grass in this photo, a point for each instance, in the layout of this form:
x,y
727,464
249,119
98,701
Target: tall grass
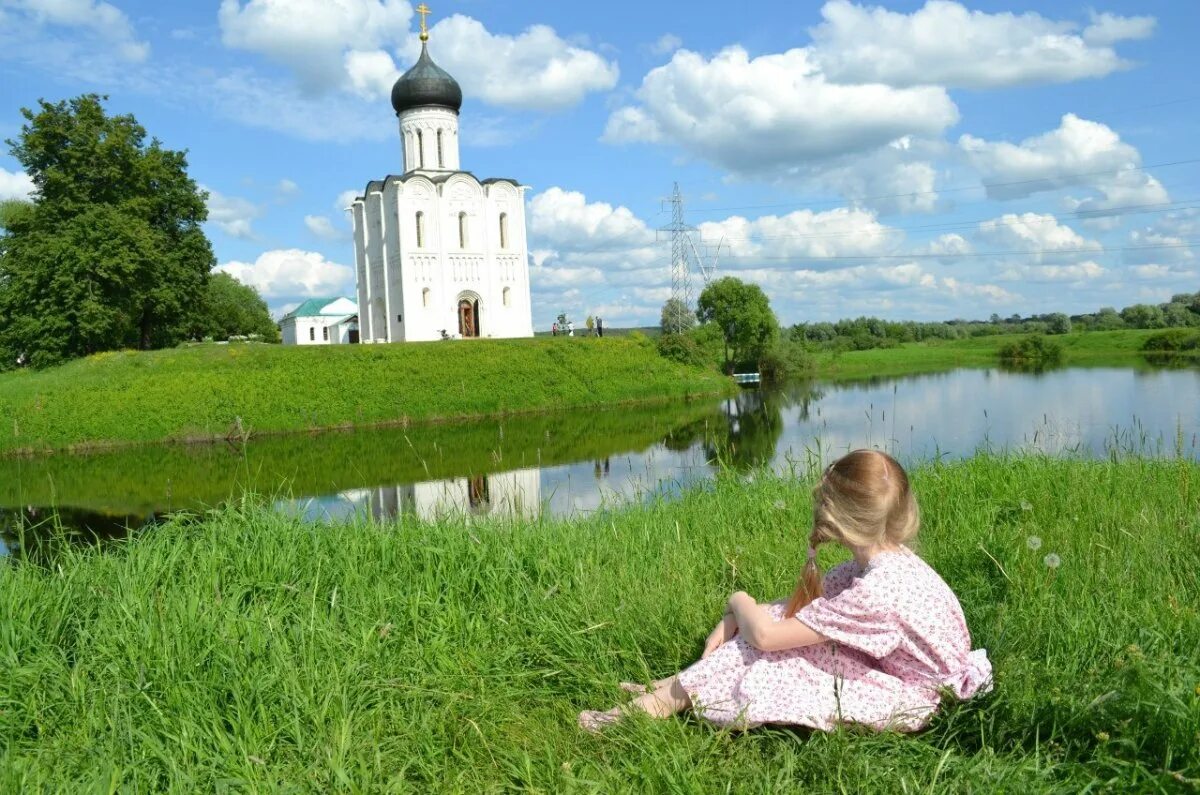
x,y
244,651
208,392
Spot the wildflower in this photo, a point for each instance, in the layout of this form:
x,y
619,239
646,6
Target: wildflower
x,y
1052,561
1102,736
1134,651
780,505
1034,543
1025,506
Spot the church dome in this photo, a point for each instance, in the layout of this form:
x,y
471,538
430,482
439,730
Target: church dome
x,y
426,83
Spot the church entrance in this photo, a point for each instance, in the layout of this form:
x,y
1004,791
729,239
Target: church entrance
x,y
468,317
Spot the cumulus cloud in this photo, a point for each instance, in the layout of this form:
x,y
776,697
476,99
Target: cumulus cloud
x,y
292,273
232,215
562,219
353,45
897,178
324,228
15,185
755,115
803,235
1036,233
103,20
943,43
666,43
1076,273
1078,154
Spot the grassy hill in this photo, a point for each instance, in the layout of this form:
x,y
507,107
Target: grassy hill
x,y
1079,348
210,391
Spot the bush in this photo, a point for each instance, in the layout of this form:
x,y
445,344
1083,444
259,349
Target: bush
x,y
682,348
1058,323
1173,341
786,359
1034,349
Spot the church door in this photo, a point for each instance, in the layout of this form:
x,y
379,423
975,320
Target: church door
x,y
468,318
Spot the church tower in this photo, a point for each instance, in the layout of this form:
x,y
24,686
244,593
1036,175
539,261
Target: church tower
x,y
438,252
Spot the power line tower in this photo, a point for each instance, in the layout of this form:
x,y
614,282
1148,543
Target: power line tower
x,y
681,312
680,305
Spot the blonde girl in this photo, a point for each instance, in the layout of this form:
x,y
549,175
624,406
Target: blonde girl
x,y
877,642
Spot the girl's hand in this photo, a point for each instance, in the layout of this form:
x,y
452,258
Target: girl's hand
x,y
723,633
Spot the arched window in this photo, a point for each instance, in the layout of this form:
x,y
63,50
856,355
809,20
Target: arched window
x,y
441,152
507,296
462,230
425,297
503,230
420,149
312,335
325,333
420,229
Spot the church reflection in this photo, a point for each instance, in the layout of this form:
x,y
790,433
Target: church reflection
x,y
515,494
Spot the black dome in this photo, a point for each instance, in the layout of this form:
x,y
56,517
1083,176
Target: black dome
x,y
426,84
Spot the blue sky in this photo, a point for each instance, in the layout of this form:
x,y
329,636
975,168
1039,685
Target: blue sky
x,y
903,159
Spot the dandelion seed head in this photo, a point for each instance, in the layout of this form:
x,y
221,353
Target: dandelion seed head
x,y
1052,561
1025,506
780,505
1034,543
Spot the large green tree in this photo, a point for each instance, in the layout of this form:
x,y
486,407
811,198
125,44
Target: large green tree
x,y
231,308
111,254
676,318
743,314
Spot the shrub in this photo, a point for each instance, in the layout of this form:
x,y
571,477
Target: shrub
x,y
787,358
682,348
1034,349
1172,341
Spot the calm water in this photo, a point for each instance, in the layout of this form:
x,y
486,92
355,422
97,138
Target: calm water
x,y
585,461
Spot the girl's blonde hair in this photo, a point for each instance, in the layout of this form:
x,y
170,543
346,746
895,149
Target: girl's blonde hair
x,y
863,499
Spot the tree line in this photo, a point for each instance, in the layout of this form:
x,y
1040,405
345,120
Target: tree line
x,y
109,252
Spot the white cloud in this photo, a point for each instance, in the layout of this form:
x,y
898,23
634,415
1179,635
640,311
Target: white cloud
x,y
1109,28
534,70
1078,154
103,20
345,199
666,43
352,45
292,273
948,245
565,220
990,292
324,228
841,232
311,36
1077,273
896,178
1034,232
757,115
15,185
943,43
232,215
286,189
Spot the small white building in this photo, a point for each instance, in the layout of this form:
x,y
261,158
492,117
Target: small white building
x,y
439,252
321,321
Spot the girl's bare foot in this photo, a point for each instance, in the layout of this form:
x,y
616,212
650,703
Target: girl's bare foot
x,y
595,721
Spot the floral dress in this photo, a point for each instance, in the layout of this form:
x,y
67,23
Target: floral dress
x,y
897,640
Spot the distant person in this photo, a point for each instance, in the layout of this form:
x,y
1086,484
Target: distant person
x,y
599,327
876,645
570,328
554,329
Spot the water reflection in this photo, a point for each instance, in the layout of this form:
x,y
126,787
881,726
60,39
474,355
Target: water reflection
x,y
586,461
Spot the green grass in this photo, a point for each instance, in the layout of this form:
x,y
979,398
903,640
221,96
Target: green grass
x,y
1079,348
246,652
208,392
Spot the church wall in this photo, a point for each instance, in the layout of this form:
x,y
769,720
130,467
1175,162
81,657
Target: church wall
x,y
377,273
360,270
427,123
392,235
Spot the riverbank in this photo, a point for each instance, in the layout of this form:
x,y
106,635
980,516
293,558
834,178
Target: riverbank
x,y
1122,348
210,392
247,650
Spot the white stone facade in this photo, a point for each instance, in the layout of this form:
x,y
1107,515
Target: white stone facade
x,y
334,323
437,250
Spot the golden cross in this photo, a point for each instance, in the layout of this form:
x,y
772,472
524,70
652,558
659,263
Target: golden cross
x,y
423,10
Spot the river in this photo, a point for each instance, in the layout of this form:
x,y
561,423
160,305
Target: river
x,y
579,462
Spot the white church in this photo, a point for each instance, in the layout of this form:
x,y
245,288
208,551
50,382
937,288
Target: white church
x,y
439,253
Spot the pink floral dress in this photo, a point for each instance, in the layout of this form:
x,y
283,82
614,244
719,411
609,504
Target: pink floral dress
x,y
897,639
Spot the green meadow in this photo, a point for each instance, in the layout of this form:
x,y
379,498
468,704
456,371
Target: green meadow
x,y
243,651
211,392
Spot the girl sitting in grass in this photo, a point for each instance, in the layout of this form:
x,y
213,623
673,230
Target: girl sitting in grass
x,y
877,644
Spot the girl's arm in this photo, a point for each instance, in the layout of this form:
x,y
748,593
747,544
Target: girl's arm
x,y
763,632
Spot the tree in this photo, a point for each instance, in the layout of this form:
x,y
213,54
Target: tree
x,y
231,309
111,253
676,317
1058,323
743,314
590,323
1143,316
